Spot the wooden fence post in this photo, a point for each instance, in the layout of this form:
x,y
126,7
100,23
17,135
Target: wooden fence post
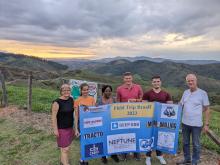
x,y
214,137
29,99
4,92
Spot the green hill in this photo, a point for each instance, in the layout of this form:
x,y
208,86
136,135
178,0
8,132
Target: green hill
x,y
172,74
16,66
29,63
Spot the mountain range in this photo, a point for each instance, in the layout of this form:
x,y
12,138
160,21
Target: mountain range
x,y
82,63
172,73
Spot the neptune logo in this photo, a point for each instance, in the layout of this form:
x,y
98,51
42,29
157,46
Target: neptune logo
x,y
169,112
145,144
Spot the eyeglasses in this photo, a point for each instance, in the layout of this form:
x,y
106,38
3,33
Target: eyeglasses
x,y
66,90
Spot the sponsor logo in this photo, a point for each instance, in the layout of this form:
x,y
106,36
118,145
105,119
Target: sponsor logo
x,y
166,139
126,110
169,111
92,150
85,108
121,143
125,124
146,144
97,109
92,122
93,135
161,124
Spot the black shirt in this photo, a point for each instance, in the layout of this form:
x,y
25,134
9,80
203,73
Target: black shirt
x,y
65,113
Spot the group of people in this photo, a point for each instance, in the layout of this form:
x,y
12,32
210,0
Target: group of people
x,y
194,102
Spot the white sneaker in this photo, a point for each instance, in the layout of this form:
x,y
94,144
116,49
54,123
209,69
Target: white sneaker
x,y
148,161
162,160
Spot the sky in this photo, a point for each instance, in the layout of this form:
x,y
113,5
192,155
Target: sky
x,y
93,29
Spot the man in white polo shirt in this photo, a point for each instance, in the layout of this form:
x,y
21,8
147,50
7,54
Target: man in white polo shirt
x,y
194,101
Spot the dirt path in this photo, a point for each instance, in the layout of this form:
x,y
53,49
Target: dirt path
x,y
42,121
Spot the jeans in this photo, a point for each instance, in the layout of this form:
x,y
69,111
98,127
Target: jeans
x,y
196,132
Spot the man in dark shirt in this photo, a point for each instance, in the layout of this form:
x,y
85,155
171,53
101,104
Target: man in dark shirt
x,y
159,95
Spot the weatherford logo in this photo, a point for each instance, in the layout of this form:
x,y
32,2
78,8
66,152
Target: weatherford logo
x,y
93,135
92,150
146,144
169,111
125,124
121,143
92,122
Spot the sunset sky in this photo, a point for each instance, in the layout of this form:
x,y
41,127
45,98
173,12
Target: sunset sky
x,y
175,29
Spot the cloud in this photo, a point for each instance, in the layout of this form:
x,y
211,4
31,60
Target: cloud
x,y
116,24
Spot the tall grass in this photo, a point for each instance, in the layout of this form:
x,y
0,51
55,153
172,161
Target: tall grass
x,y
41,98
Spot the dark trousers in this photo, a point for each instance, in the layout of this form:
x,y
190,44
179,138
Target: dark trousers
x,y
159,153
196,132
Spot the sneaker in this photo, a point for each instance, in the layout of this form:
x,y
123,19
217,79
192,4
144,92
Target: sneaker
x,y
183,162
81,163
104,160
148,161
123,157
137,156
162,160
115,158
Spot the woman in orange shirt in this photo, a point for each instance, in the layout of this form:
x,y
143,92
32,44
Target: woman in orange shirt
x,y
85,100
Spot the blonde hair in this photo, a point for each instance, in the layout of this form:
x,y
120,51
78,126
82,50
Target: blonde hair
x,y
64,86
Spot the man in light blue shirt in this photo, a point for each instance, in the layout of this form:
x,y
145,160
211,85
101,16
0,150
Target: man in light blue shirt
x,y
194,101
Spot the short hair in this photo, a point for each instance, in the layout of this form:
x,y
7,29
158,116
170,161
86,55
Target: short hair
x,y
106,86
191,75
127,74
155,77
64,86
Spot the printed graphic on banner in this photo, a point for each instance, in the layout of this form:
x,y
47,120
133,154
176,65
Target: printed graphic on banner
x,y
126,110
92,150
131,124
170,125
169,111
93,135
92,122
166,139
121,143
75,88
146,144
129,127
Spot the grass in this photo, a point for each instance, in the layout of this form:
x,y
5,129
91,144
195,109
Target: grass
x,y
24,145
42,98
214,126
